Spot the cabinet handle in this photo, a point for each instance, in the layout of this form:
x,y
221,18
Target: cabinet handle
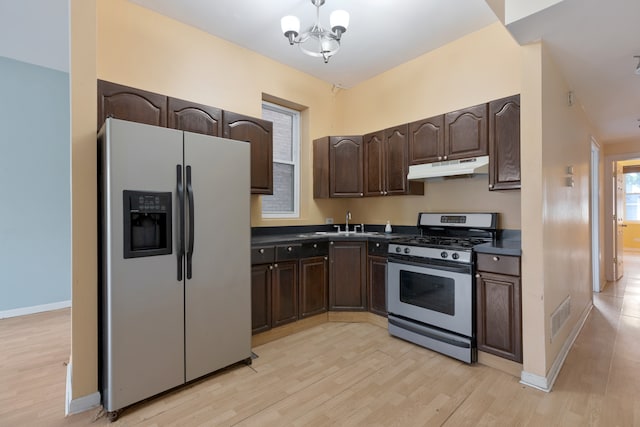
x,y
331,243
490,185
477,275
439,157
289,249
326,258
275,265
261,251
445,157
361,194
495,258
315,245
377,245
271,267
386,192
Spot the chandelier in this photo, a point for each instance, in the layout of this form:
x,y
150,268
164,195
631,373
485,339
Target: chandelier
x,y
316,41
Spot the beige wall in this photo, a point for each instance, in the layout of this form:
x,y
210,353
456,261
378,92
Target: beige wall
x,y
567,247
84,340
556,232
458,75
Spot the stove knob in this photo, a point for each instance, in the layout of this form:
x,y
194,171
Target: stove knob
x,y
455,255
443,254
407,250
398,249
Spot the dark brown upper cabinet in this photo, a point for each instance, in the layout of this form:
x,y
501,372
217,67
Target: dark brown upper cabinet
x,y
426,140
374,167
386,163
504,143
465,133
259,133
338,167
127,103
192,117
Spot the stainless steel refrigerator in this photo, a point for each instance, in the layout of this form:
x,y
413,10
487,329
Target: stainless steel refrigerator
x,y
175,281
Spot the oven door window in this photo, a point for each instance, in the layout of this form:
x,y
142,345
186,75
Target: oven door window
x,y
434,293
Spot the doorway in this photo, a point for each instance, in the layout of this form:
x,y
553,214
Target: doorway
x,y
613,235
595,216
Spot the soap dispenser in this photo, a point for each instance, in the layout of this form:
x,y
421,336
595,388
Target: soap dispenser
x,y
387,228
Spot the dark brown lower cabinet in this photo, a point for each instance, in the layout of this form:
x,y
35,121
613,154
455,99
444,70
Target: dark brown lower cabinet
x,y
347,276
377,283
499,312
314,275
274,295
284,296
261,297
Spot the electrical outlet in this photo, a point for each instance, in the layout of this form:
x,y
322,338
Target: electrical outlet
x,y
328,220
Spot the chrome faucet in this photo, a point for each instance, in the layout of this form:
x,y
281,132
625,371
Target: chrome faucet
x,y
347,218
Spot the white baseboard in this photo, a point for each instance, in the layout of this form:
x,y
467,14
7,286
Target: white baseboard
x,y
23,311
546,383
81,404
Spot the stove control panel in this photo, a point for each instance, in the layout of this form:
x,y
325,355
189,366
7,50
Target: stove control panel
x,y
463,256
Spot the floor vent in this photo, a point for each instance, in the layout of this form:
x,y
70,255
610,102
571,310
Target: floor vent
x,y
560,316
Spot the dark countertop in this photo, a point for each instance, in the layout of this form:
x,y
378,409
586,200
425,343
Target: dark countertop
x,y
276,239
500,247
510,245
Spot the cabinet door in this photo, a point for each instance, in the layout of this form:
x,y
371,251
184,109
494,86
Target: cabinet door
x,y
377,284
313,286
192,117
504,143
347,276
260,297
127,103
284,298
374,160
259,133
396,142
346,157
465,133
426,140
499,319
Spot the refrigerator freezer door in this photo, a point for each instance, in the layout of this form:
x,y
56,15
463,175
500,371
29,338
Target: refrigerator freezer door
x,y
142,300
218,295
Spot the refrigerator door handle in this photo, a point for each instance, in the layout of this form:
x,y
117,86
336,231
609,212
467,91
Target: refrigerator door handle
x,y
181,226
191,223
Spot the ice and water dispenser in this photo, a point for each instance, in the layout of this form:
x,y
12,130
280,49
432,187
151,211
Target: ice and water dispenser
x,y
147,223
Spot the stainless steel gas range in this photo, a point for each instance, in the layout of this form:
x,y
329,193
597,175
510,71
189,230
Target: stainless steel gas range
x,y
430,289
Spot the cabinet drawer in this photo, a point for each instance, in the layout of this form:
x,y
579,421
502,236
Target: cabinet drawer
x,y
263,255
287,252
378,248
313,249
502,264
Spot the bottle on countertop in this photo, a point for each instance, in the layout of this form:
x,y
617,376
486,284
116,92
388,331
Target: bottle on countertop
x,y
387,228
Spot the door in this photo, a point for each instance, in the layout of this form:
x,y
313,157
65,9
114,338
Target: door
x,y
142,298
618,222
218,293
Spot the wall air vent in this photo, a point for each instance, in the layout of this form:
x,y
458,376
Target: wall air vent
x,y
559,317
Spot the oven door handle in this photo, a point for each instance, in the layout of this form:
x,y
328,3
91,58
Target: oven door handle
x,y
465,269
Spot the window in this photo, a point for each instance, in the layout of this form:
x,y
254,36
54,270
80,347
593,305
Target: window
x,y
632,196
284,203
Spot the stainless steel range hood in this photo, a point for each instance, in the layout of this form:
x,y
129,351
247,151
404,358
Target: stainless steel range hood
x,y
471,166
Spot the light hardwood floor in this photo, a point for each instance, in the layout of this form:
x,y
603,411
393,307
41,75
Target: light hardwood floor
x,y
351,374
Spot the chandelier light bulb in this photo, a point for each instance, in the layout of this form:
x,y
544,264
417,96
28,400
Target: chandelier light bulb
x,y
339,21
290,27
